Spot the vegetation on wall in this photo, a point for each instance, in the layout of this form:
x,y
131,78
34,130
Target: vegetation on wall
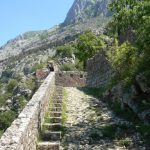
x,y
38,66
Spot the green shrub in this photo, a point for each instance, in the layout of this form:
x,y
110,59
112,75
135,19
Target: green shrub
x,y
65,51
125,142
22,102
68,67
109,131
88,44
3,98
18,77
11,84
6,118
79,65
38,66
96,92
145,132
30,83
124,60
133,57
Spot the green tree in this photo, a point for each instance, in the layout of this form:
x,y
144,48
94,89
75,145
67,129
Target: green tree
x,y
123,18
124,61
131,16
65,50
88,45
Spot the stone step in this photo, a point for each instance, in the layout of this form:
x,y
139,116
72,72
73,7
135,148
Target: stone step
x,y
57,104
59,92
47,135
52,126
57,101
48,146
53,120
58,96
59,87
58,109
55,114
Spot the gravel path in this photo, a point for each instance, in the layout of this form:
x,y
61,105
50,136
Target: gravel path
x,y
91,125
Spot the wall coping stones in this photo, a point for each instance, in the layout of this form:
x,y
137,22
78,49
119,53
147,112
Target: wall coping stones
x,y
71,78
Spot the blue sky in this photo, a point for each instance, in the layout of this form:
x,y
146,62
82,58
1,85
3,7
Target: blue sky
x,y
19,16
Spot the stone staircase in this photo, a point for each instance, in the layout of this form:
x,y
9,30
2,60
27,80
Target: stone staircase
x,y
50,134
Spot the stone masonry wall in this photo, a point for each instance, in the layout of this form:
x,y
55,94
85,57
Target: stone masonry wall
x,y
71,78
23,133
99,71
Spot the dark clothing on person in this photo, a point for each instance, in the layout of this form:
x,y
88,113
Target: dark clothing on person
x,y
51,67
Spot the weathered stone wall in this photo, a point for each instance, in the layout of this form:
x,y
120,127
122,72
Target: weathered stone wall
x,y
23,133
99,71
71,78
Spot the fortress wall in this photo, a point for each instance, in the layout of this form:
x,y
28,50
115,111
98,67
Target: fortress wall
x,y
23,133
71,78
99,71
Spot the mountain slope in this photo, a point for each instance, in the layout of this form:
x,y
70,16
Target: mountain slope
x,y
83,15
82,10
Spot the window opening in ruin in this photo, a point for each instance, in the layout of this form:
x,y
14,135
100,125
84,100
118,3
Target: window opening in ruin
x,y
81,75
71,75
60,75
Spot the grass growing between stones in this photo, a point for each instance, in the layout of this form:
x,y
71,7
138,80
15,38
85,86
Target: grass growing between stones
x,y
120,133
96,92
116,133
138,126
124,142
126,114
46,119
64,110
47,114
42,129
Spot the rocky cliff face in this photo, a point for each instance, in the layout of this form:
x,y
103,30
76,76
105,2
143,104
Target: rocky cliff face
x,y
82,10
25,42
